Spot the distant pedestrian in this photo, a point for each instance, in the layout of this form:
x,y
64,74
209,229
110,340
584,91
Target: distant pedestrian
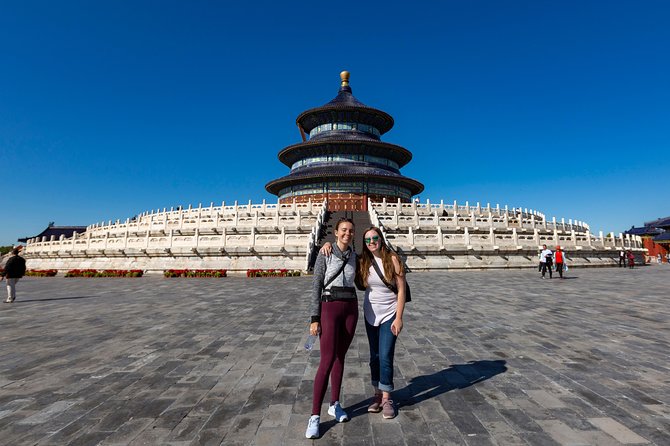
x,y
622,259
15,268
560,261
659,259
667,257
546,260
631,259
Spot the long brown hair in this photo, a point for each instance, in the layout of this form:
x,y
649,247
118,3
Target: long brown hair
x,y
366,259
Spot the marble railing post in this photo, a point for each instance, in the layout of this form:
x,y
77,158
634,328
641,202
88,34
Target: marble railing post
x,y
588,238
440,238
536,236
602,239
573,236
466,237
384,205
556,237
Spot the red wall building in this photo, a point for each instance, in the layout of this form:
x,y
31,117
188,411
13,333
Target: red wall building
x,y
655,237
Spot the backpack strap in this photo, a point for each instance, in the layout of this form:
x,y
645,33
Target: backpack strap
x,y
345,260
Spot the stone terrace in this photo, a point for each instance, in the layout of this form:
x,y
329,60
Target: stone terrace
x,y
487,358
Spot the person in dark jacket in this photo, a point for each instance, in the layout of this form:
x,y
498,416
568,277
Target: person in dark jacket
x,y
15,268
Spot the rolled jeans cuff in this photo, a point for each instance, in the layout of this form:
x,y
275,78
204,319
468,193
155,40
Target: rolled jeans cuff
x,y
382,387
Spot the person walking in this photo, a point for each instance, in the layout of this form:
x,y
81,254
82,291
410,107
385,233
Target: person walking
x,y
334,314
15,269
545,260
622,258
381,273
631,259
560,261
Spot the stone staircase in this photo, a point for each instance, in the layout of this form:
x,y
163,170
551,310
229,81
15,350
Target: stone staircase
x,y
361,221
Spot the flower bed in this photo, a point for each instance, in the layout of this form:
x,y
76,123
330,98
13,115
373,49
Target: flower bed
x,y
272,273
104,273
41,272
195,273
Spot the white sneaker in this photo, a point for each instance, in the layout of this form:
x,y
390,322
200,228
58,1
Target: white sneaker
x,y
313,427
336,411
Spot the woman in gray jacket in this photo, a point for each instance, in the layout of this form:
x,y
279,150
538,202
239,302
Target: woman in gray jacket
x,y
334,314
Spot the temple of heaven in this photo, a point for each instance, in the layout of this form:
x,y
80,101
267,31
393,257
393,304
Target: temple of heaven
x,y
342,159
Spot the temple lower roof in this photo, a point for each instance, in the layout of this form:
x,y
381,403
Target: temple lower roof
x,y
343,173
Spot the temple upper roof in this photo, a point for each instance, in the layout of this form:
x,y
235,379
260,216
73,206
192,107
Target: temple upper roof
x,y
345,107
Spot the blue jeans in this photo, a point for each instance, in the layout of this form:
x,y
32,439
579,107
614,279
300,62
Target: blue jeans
x,y
382,349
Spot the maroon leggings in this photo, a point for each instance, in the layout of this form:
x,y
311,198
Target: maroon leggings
x,y
338,325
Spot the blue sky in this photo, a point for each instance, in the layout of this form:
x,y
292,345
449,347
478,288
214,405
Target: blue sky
x,y
108,109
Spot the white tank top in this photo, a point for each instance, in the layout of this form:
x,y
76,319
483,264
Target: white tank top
x,y
380,303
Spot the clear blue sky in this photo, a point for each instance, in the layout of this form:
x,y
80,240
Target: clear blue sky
x,y
108,109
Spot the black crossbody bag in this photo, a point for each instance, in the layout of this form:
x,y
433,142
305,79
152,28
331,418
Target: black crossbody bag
x,y
408,293
338,292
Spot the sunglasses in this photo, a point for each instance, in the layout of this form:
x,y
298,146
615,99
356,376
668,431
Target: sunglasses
x,y
373,239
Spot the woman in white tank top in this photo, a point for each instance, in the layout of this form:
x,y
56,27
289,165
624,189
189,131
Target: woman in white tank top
x,y
383,310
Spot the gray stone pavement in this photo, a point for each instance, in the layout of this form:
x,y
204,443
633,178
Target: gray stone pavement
x,y
486,358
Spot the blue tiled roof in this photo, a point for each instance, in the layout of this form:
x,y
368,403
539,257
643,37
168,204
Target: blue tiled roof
x,y
344,169
67,231
315,147
660,223
345,97
345,102
343,173
646,230
346,135
663,237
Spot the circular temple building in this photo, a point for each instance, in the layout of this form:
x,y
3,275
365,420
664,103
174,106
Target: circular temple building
x,y
342,158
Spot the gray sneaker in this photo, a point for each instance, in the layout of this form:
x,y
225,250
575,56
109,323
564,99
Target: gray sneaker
x,y
313,427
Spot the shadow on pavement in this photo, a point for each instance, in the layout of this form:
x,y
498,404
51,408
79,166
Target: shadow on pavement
x,y
457,376
53,298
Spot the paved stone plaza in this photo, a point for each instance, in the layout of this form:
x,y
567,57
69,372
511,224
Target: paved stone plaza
x,y
486,358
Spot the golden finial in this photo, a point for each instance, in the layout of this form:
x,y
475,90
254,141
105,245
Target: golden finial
x,y
345,78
